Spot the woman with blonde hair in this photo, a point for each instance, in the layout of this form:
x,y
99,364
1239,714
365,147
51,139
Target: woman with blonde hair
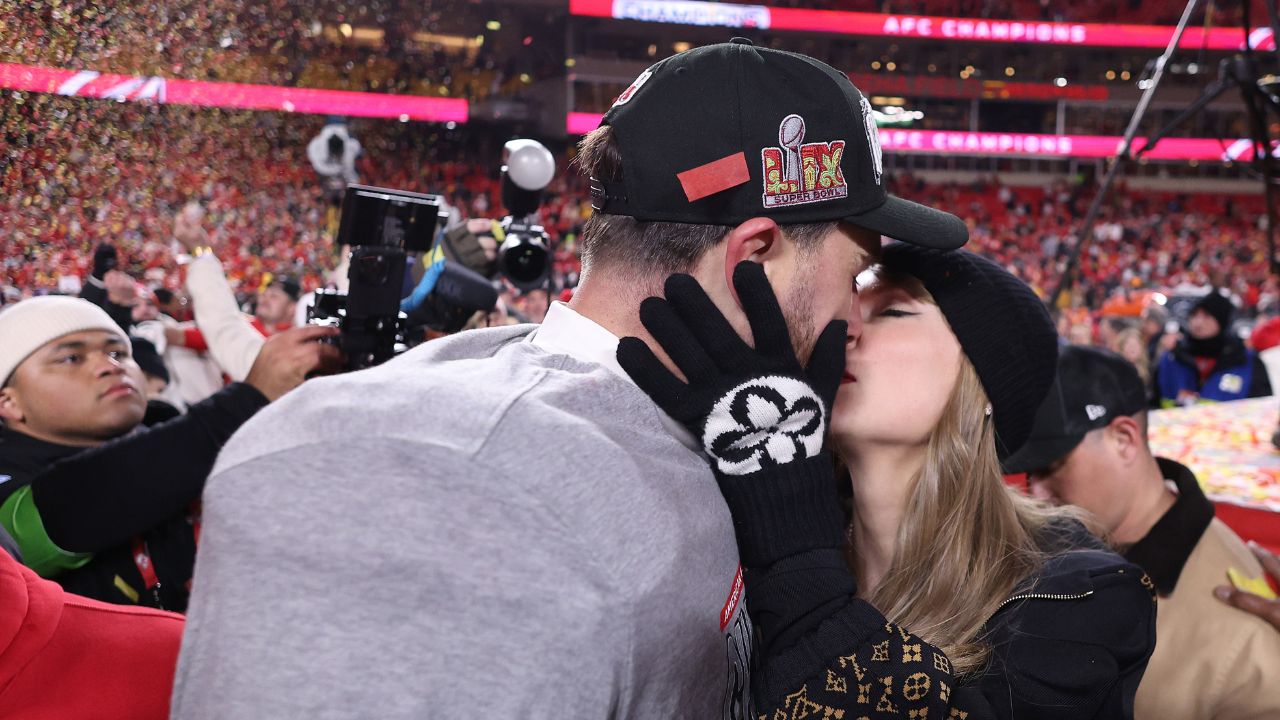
x,y
1129,344
945,359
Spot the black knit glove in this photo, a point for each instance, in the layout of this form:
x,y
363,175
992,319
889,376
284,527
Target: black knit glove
x,y
105,259
761,416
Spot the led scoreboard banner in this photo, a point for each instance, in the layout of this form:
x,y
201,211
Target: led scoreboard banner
x,y
693,12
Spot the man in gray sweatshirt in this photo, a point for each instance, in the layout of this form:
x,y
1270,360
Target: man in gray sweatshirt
x,y
501,524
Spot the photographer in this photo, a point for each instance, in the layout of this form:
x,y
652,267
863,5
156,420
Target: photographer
x,y
92,503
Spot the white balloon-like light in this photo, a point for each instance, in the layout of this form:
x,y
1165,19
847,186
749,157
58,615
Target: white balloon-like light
x,y
529,165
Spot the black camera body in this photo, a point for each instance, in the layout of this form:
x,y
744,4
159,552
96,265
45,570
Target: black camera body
x,y
381,226
525,253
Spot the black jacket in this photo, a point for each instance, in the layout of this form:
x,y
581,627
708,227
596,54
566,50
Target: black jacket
x,y
1072,643
98,500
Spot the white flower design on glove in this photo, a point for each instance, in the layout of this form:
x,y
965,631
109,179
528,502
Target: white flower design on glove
x,y
764,421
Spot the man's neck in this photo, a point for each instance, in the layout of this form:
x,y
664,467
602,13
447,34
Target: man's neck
x,y
1152,500
881,479
613,308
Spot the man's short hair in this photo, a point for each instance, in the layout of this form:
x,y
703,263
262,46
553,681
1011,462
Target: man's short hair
x,y
289,285
658,248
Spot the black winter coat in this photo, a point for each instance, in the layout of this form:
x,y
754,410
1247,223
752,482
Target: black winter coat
x,y
1072,644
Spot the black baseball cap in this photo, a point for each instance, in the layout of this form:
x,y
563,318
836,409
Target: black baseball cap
x,y
723,133
289,284
1093,387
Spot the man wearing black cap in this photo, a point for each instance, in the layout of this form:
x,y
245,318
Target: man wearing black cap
x,y
1211,364
523,532
1088,448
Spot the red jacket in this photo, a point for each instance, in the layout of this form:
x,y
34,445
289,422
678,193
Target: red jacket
x,y
63,656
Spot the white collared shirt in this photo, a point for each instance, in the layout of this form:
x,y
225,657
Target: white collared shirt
x,y
566,332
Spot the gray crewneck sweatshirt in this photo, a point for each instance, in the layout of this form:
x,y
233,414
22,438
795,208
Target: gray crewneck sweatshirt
x,y
478,528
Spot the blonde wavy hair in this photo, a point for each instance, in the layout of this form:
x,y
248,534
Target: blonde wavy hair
x,y
967,539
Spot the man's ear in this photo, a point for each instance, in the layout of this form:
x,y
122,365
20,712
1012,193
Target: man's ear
x,y
1128,438
755,240
10,406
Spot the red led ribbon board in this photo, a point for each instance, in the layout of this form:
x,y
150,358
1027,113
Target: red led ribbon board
x,y
109,86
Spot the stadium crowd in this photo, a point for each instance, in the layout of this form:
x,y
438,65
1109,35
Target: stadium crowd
x,y
116,173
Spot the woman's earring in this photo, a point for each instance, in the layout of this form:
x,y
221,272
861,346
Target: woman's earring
x,y
988,410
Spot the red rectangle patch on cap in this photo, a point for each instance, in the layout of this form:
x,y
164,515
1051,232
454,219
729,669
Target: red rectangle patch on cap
x,y
714,177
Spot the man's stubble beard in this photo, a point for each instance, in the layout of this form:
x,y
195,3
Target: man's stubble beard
x,y
798,313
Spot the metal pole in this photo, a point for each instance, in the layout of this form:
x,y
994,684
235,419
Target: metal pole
x,y
1123,155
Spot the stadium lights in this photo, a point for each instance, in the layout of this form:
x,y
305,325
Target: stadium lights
x,y
1060,82
449,41
681,46
891,66
1111,74
883,100
875,64
1009,71
894,116
493,25
1125,75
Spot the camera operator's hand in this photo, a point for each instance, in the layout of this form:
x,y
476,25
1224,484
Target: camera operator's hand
x,y
287,358
760,415
121,289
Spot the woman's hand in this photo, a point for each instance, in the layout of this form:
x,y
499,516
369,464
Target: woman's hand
x,y
751,407
760,415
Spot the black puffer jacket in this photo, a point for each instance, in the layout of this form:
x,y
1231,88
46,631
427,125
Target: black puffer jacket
x,y
1071,643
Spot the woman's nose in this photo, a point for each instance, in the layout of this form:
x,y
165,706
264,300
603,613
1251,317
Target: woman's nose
x,y
855,319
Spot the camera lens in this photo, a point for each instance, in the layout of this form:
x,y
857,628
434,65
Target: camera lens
x,y
524,262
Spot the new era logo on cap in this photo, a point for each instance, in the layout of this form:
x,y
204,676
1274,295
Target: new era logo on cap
x,y
1094,387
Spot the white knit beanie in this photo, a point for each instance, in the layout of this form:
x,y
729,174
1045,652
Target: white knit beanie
x,y
27,326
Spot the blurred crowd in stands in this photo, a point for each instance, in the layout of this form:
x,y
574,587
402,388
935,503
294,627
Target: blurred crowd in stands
x,y
82,173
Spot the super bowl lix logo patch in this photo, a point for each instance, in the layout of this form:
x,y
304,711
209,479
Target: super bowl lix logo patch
x,y
797,172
